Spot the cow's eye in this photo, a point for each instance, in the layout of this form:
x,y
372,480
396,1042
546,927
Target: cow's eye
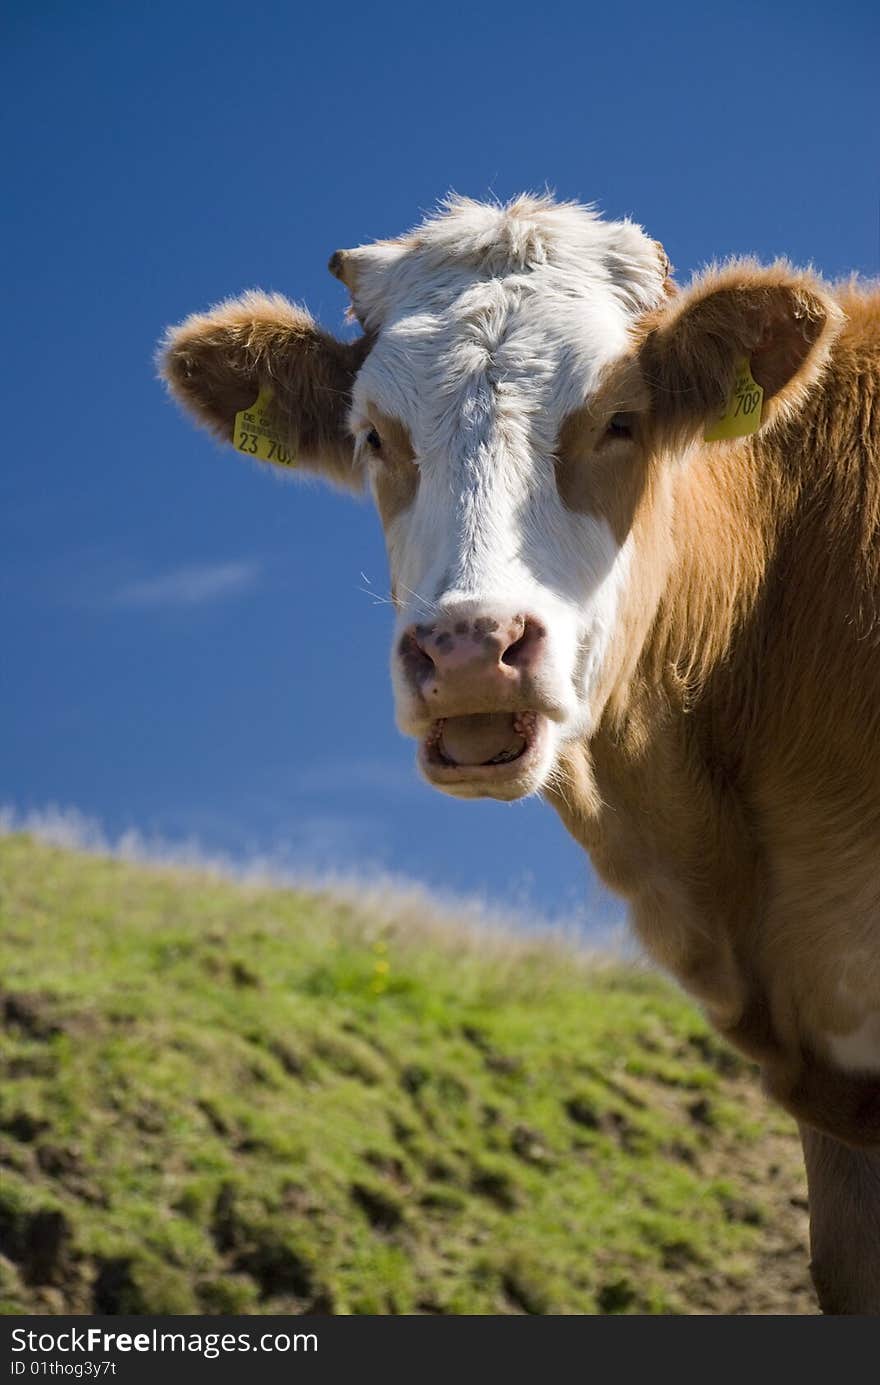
x,y
374,442
620,426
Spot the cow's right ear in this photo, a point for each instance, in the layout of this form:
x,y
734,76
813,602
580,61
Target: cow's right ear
x,y
217,363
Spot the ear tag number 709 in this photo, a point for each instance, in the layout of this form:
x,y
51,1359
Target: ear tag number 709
x,y
742,414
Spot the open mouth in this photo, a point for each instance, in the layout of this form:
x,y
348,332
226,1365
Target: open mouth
x,y
483,747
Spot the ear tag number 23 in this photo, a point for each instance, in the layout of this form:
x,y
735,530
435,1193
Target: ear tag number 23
x,y
257,434
742,414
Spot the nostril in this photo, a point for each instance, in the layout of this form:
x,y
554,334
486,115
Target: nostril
x,y
524,650
512,655
418,664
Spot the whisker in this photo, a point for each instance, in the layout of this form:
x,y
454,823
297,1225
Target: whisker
x,y
369,590
377,599
422,601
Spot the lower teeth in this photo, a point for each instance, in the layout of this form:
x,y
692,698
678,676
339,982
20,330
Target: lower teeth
x,y
505,757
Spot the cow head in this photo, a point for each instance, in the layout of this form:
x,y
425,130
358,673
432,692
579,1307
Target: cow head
x,y
526,382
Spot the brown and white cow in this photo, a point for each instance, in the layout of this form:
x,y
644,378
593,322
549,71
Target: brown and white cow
x,y
675,642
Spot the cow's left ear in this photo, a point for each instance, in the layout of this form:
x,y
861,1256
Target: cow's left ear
x,y
217,363
780,321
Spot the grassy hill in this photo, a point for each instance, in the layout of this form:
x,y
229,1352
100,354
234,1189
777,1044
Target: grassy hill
x,y
216,1098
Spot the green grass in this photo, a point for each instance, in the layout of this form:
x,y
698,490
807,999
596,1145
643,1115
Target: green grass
x,y
226,1099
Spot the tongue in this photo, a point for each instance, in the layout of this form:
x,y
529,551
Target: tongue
x,y
477,739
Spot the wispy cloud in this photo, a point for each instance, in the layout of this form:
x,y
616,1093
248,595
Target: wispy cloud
x,y
359,775
187,586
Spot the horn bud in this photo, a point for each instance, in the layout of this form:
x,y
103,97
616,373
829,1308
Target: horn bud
x,y
341,267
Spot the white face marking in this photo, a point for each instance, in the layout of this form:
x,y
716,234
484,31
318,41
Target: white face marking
x,y
493,326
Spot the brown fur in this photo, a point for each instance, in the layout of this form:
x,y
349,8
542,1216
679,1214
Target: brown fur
x,y
735,704
669,285
216,363
844,1209
783,320
600,474
397,477
732,787
732,791
757,686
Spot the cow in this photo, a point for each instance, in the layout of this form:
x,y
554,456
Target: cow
x,y
634,539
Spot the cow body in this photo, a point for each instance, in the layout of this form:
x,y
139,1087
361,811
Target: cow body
x,y
676,642
732,789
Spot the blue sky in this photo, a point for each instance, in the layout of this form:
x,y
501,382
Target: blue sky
x,y
192,649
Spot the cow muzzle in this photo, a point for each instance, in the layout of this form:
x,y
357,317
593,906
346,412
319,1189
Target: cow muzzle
x,y
471,682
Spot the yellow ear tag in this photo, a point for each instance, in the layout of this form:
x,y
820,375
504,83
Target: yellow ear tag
x,y
256,433
742,414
